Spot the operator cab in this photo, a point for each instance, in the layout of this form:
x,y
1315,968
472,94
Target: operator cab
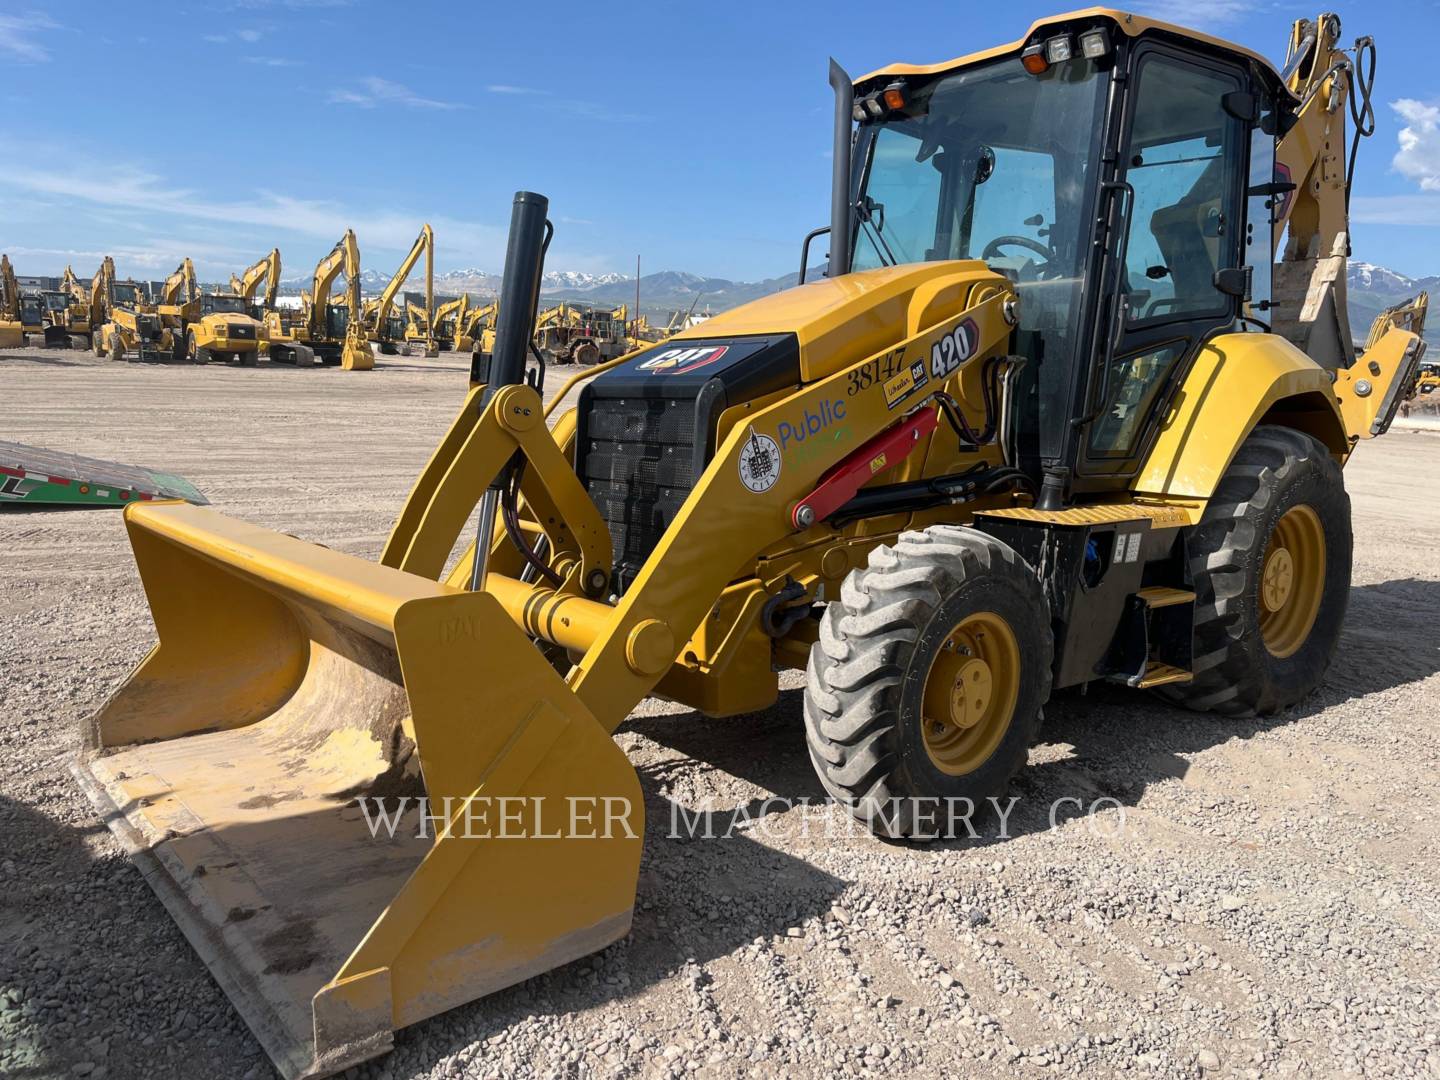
x,y
220,304
127,294
1106,176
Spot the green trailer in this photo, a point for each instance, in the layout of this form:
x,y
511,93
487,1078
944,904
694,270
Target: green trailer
x,y
31,476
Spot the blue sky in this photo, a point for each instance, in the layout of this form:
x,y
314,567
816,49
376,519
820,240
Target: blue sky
x,y
695,135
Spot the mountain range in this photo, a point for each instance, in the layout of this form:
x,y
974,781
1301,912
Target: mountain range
x,y
1371,289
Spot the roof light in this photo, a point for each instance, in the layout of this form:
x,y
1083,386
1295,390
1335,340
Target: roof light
x,y
1034,59
1059,49
1094,44
873,106
857,111
894,97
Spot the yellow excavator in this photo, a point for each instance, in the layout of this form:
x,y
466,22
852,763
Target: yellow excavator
x,y
329,333
1044,422
66,313
448,317
12,330
265,270
379,325
471,326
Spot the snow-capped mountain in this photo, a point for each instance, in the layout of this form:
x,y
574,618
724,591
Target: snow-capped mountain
x,y
1371,288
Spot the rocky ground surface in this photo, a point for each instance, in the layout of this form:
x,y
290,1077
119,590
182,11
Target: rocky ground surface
x,y
1252,898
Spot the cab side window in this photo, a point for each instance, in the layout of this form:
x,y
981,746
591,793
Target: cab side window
x,y
1180,168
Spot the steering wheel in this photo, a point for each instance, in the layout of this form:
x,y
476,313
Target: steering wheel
x,y
993,247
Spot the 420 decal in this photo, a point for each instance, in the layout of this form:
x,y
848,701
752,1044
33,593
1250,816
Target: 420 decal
x,y
954,349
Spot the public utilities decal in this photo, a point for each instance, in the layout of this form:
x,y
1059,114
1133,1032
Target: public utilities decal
x,y
810,424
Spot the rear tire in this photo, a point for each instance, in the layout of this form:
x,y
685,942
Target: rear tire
x,y
117,350
928,614
1271,565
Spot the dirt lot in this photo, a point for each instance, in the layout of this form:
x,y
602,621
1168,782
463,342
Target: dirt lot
x,y
1254,898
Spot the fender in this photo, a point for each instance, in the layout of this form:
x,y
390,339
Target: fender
x,y
1237,382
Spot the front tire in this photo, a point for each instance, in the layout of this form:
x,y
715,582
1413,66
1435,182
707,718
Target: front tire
x,y
1271,565
928,679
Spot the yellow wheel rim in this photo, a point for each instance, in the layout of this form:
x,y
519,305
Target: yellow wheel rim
x,y
970,693
1292,581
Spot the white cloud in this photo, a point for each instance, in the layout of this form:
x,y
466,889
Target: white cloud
x,y
375,91
127,190
216,39
1408,210
251,36
503,88
18,33
1418,158
272,61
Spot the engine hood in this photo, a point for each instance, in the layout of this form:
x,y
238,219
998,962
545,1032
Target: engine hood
x,y
838,320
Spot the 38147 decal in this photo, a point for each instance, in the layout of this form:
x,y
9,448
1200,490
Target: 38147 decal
x,y
878,370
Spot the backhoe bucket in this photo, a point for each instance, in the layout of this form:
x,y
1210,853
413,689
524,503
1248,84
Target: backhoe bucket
x,y
296,691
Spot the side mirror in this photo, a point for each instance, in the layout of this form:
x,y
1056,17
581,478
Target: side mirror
x,y
1242,105
1233,281
805,250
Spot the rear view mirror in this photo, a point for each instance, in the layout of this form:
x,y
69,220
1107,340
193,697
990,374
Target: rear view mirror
x,y
1233,281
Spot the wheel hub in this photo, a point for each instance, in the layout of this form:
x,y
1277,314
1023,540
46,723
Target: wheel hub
x,y
1278,578
1292,581
970,693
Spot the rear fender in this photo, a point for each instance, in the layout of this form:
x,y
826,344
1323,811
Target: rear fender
x,y
1237,382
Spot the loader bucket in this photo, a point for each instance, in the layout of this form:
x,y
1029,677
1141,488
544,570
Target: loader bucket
x,y
288,683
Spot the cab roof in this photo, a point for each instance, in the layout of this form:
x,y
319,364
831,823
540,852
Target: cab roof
x,y
1129,23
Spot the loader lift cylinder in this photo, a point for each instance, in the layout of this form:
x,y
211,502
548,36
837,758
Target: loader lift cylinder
x,y
514,325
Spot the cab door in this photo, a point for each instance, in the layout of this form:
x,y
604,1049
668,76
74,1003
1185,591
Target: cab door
x,y
1181,175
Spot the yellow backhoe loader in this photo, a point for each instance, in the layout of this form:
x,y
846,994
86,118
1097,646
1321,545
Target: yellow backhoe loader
x,y
129,326
12,330
266,270
379,324
329,333
1043,423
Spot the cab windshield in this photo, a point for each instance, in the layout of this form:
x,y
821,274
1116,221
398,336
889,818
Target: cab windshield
x,y
997,164
223,305
127,294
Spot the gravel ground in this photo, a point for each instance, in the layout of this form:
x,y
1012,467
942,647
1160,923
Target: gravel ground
x,y
1253,898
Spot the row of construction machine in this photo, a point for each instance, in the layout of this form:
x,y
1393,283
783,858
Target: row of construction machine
x,y
1022,436
321,331
384,326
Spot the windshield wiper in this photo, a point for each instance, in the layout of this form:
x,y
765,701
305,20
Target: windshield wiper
x,y
865,212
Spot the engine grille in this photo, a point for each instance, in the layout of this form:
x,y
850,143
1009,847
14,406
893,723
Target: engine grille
x,y
638,465
241,331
